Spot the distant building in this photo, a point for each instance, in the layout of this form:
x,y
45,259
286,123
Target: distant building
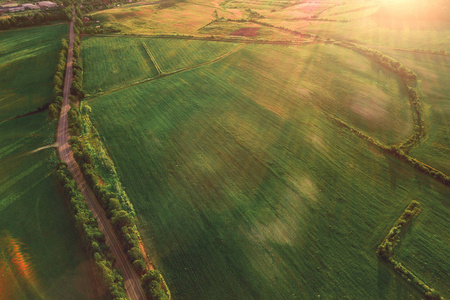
x,y
47,4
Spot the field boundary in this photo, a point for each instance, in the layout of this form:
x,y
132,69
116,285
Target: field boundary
x,y
152,58
422,167
239,40
386,250
409,79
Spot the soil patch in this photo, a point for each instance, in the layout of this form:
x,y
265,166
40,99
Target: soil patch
x,y
246,31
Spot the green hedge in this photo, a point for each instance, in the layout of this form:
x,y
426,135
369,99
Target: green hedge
x,y
409,79
58,82
153,285
93,239
398,153
386,251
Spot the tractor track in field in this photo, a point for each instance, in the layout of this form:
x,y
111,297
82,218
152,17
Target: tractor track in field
x,y
153,59
131,279
162,75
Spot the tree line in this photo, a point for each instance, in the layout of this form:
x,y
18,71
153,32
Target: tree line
x,y
118,212
121,219
409,79
386,251
36,18
93,239
398,153
58,81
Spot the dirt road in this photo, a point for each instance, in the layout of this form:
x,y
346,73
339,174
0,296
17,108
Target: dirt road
x,y
131,279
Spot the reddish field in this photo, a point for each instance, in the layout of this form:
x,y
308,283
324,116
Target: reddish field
x,y
246,31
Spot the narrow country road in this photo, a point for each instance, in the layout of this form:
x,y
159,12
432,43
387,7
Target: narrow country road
x,y
131,279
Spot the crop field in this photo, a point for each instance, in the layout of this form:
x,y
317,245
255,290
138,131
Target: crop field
x,y
374,23
245,189
117,61
180,18
258,5
173,55
364,94
262,155
28,59
230,28
41,255
112,62
298,11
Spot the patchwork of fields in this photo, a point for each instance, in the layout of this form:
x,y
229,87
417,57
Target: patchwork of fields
x,y
218,115
245,189
28,59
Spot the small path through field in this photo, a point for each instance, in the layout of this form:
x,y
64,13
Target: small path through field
x,y
131,279
152,58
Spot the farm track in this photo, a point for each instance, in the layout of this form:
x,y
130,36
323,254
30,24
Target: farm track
x,y
93,97
152,58
131,279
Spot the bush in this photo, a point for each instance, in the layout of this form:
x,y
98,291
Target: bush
x,y
139,266
151,283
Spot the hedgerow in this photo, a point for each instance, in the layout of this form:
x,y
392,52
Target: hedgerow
x,y
386,250
398,153
93,239
409,79
58,82
153,285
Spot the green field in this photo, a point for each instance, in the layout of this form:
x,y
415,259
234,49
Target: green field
x,y
28,59
33,216
173,55
245,189
364,94
117,61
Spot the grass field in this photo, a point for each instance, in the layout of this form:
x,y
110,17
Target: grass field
x,y
28,59
363,94
244,188
117,61
41,255
173,55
